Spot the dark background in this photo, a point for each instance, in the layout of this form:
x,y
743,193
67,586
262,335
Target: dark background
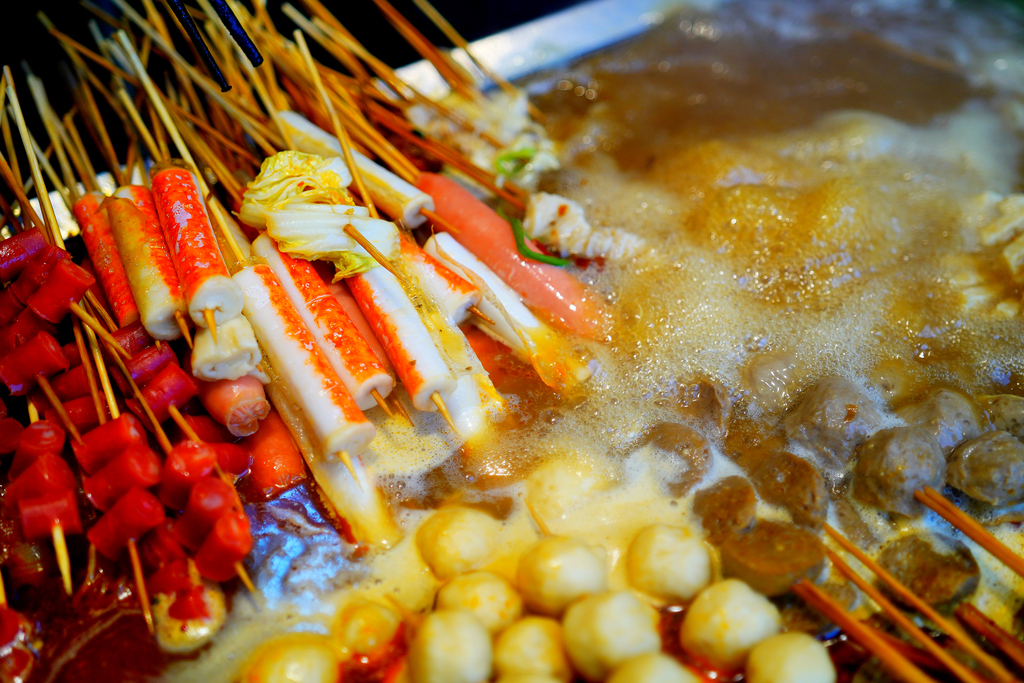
x,y
24,39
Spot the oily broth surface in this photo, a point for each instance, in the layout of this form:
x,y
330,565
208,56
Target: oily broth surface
x,y
804,195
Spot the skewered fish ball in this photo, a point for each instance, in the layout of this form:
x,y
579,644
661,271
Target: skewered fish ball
x,y
790,658
603,631
532,646
557,571
726,621
653,667
490,598
304,658
450,646
668,563
456,540
364,628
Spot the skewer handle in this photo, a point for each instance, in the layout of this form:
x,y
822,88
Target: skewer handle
x,y
60,548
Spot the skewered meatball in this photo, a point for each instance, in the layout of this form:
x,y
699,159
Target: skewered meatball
x,y
793,483
893,464
771,557
603,631
937,569
706,401
557,485
557,571
532,646
790,658
365,628
450,646
725,508
488,597
668,563
989,468
1006,412
726,621
950,416
455,540
692,450
300,658
652,667
834,417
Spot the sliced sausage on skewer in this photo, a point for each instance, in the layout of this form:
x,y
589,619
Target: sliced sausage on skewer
x,y
148,264
212,297
99,242
238,404
346,350
292,351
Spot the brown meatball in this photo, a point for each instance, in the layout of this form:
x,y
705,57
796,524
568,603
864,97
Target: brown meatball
x,y
937,569
833,418
771,557
725,508
989,468
706,401
894,463
949,415
793,483
692,449
1006,412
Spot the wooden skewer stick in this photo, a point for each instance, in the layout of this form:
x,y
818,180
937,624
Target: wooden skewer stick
x,y
537,519
433,217
443,409
909,597
399,408
904,622
140,125
3,592
158,430
90,375
991,631
100,331
211,323
976,532
372,250
101,311
179,318
861,632
140,585
382,403
60,549
101,370
475,310
51,396
346,460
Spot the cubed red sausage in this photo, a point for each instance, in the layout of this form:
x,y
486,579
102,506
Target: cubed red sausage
x,y
43,436
10,434
103,443
233,458
48,474
9,305
17,251
72,384
133,338
66,285
144,366
187,463
36,271
81,412
41,514
24,327
208,501
170,387
206,428
228,542
189,605
137,512
173,577
71,351
136,467
42,355
160,547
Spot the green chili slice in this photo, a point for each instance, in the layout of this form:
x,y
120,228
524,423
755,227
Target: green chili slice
x,y
525,251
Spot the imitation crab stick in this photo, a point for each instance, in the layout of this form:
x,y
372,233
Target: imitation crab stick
x,y
238,404
209,290
292,351
147,261
456,294
342,294
99,242
545,288
346,350
231,354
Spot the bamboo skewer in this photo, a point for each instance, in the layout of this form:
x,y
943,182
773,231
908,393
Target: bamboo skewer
x,y
382,403
100,331
990,631
140,585
62,413
443,409
90,375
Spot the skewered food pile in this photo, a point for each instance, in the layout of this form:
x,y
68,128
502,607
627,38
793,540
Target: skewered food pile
x,y
345,382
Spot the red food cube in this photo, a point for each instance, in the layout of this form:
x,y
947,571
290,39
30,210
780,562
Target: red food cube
x,y
233,458
170,387
25,326
208,501
173,577
71,351
187,463
66,285
190,605
17,250
228,542
38,438
40,356
36,271
206,428
81,412
145,365
137,512
49,473
72,384
10,307
133,338
104,442
10,434
41,514
136,467
159,546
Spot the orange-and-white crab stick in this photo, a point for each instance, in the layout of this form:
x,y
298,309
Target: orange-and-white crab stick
x,y
147,262
456,294
212,296
349,354
106,261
